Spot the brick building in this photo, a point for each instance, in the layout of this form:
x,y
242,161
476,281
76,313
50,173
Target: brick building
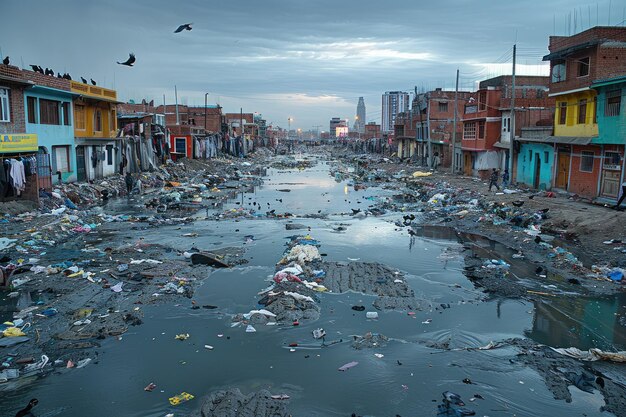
x,y
576,63
15,142
487,116
435,122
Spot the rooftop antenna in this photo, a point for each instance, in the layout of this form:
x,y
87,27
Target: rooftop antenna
x,y
610,2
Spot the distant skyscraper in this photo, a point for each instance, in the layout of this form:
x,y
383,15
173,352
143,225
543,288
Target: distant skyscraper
x,y
394,102
337,122
359,123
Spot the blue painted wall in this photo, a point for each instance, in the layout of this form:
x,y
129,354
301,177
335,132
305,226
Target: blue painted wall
x,y
611,129
526,164
53,135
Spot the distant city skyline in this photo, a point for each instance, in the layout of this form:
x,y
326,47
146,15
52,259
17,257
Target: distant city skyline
x,y
290,59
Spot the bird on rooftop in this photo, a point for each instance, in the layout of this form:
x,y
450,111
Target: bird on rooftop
x,y
186,26
83,80
130,61
92,81
34,67
6,60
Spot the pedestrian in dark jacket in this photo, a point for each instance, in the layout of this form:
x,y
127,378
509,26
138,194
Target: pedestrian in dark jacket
x,y
493,179
129,182
505,178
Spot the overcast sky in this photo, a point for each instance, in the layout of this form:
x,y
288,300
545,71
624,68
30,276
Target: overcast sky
x,y
309,60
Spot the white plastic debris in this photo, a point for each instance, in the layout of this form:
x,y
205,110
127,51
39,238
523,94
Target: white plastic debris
x,y
371,315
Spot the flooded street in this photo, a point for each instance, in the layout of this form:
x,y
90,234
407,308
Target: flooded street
x,y
431,350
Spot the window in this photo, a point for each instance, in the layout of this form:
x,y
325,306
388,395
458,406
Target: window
x,y
61,158
112,120
546,157
109,150
49,112
79,115
613,101
612,160
4,105
582,111
31,107
586,161
67,117
469,131
482,100
595,110
181,146
481,129
97,120
443,106
562,112
583,67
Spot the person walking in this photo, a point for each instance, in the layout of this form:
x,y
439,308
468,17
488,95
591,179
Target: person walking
x,y
621,198
129,183
436,161
493,179
505,178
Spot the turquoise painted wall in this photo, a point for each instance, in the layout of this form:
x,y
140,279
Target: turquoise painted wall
x,y
526,164
53,135
612,129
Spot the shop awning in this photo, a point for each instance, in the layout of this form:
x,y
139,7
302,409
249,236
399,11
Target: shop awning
x,y
563,140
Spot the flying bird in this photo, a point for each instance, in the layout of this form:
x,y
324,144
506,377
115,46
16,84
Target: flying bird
x,y
92,81
186,26
83,80
130,61
6,60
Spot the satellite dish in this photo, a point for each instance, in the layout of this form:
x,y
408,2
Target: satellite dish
x,y
558,73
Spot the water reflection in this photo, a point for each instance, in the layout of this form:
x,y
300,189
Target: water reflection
x,y
583,323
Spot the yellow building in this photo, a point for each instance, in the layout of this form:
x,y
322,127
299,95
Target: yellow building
x,y
95,130
575,114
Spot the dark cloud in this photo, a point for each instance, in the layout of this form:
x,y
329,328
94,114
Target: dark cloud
x,y
306,59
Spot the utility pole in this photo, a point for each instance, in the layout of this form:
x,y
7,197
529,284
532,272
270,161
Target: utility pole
x,y
205,111
430,143
176,99
243,138
456,110
512,135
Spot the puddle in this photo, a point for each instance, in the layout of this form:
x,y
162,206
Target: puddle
x,y
433,264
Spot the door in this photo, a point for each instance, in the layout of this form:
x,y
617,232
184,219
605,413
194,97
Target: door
x,y
562,170
44,169
537,172
81,173
611,170
467,164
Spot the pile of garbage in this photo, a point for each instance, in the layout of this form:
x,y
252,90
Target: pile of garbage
x,y
293,294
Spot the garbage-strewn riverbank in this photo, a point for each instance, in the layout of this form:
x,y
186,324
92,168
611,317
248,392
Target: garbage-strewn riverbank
x,y
369,257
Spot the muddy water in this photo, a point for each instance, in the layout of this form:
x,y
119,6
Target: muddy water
x,y
113,386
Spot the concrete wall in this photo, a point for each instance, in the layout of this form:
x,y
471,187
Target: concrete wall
x,y
571,126
53,135
612,129
526,164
